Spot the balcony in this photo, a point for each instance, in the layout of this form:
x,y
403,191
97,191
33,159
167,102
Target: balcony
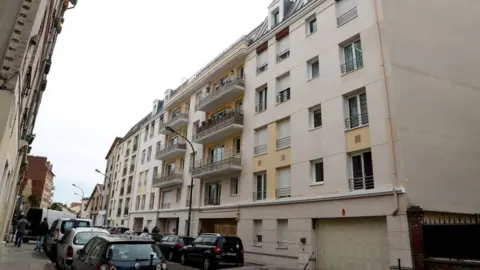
x,y
225,164
165,205
176,122
361,183
214,130
171,151
259,196
208,201
230,90
168,180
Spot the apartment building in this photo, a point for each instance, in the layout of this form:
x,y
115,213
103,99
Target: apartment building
x,y
93,205
109,176
146,197
37,186
28,33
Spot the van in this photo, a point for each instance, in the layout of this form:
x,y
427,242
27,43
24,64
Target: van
x,y
58,230
36,215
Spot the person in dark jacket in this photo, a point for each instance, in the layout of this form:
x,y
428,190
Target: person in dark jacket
x,y
155,229
42,231
22,225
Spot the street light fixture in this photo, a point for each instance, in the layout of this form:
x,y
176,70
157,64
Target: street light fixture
x,y
191,179
104,196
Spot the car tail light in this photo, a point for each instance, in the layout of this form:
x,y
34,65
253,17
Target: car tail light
x,y
180,245
69,252
57,233
242,251
105,267
216,249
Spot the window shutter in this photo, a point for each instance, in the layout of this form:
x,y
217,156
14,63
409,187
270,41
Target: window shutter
x,y
262,58
261,136
283,129
283,44
344,5
283,83
283,178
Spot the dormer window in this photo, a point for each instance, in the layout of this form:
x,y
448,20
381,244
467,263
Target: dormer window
x,y
276,18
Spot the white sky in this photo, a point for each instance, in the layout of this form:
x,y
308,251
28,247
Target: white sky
x,y
112,59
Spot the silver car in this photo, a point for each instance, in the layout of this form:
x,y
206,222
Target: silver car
x,y
73,241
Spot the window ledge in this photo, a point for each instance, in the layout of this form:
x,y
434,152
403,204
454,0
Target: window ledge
x,y
317,184
313,78
233,195
258,155
281,148
346,73
315,128
282,248
310,34
361,126
260,112
257,245
279,103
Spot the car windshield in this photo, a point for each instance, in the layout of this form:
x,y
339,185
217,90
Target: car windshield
x,y
185,240
69,224
82,238
133,251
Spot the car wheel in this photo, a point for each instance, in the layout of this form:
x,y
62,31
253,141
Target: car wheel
x,y
239,264
183,259
171,256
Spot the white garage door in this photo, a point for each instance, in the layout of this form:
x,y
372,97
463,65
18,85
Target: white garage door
x,y
352,244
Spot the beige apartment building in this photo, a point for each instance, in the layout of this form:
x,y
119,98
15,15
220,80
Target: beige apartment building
x,y
320,128
28,33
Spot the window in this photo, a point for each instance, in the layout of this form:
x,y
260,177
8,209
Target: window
x,y
283,183
362,171
282,233
311,25
167,199
152,201
170,169
144,154
283,88
260,141
262,62
283,48
346,11
283,134
352,56
158,147
237,146
316,116
276,18
137,203
143,201
212,194
149,155
261,100
260,186
317,171
140,178
313,67
173,141
357,111
239,106
217,153
145,138
179,194
152,129
145,178
187,107
234,186
257,232
155,172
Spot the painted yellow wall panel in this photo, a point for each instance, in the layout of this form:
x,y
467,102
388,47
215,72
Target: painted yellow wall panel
x,y
357,139
227,145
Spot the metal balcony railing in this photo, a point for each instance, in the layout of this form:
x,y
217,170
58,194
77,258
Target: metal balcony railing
x,y
283,142
259,195
283,55
219,161
356,121
165,206
352,65
283,193
220,90
260,107
174,118
215,200
262,68
347,16
283,96
358,183
260,149
166,149
213,125
168,177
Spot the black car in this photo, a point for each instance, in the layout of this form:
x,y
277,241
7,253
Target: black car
x,y
171,245
214,249
107,253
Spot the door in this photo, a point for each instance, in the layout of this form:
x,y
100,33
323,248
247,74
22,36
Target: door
x,y
216,153
49,238
352,243
194,251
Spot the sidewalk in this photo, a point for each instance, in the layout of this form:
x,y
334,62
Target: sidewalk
x,y
23,257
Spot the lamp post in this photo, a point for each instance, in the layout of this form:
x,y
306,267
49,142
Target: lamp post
x,y
81,204
105,192
191,179
83,197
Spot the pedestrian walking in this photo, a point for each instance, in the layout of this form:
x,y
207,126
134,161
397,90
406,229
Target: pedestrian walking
x,y
42,231
21,228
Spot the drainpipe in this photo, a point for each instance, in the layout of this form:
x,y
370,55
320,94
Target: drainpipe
x,y
382,56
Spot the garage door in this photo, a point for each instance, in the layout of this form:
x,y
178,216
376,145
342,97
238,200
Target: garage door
x,y
354,243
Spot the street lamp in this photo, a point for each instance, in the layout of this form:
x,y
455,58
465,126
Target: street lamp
x,y
191,179
81,204
104,195
83,197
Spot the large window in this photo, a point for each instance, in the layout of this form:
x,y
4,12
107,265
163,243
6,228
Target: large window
x,y
261,100
352,56
260,186
283,183
357,111
317,171
257,232
283,134
283,88
260,141
212,194
362,171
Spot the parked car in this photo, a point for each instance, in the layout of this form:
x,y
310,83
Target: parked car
x,y
36,215
213,249
171,245
73,241
56,232
118,230
157,237
106,252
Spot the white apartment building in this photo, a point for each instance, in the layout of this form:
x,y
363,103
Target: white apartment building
x,y
28,33
320,128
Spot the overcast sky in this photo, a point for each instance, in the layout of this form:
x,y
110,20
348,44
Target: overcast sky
x,y
112,59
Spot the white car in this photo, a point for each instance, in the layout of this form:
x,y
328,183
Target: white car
x,y
73,241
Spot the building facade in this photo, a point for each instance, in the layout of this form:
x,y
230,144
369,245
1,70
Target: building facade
x,y
37,186
94,205
28,33
315,132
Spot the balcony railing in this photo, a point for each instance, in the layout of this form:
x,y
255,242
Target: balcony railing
x,y
356,121
230,89
260,149
165,205
224,163
215,200
283,96
358,183
168,179
260,195
347,16
171,150
226,125
352,65
260,107
283,142
283,193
